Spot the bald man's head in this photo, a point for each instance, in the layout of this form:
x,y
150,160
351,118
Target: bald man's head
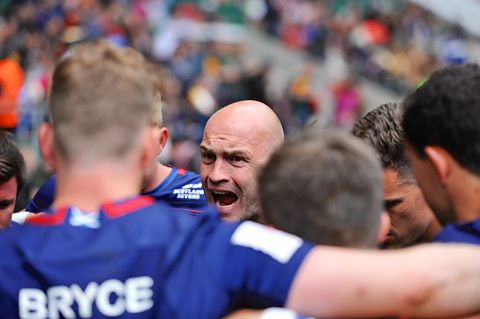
x,y
237,141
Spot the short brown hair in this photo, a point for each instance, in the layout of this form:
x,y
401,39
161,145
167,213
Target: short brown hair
x,y
382,128
101,97
324,186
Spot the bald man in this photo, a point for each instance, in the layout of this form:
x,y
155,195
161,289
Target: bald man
x,y
237,141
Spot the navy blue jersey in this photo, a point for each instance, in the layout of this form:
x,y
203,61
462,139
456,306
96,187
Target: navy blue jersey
x,y
460,233
181,189
129,261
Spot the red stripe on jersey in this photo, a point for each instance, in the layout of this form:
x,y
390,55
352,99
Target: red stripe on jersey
x,y
181,171
189,210
113,210
192,212
57,218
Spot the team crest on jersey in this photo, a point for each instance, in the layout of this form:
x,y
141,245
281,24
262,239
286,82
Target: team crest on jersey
x,y
189,191
78,218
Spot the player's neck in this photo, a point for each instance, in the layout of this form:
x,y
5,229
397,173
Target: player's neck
x,y
465,193
430,233
88,187
161,172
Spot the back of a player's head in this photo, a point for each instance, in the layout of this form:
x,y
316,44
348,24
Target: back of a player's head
x,y
12,163
445,112
101,98
326,187
382,128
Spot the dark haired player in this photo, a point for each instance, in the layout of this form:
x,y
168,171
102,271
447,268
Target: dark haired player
x,y
412,220
442,129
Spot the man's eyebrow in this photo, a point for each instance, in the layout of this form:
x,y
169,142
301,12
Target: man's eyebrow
x,y
236,152
230,152
205,148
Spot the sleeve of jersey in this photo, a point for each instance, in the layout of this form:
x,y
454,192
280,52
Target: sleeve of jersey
x,y
256,259
44,197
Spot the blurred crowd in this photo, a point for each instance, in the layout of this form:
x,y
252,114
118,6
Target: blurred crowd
x,y
196,55
196,48
397,50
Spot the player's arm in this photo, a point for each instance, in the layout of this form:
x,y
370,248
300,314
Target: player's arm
x,y
244,314
44,197
424,281
270,313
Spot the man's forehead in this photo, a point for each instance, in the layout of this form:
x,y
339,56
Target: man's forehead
x,y
240,124
9,188
227,143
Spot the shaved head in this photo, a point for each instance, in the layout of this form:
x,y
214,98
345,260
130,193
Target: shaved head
x,y
248,119
237,141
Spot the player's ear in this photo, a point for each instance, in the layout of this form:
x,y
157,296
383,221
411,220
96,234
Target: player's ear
x,y
440,160
46,144
384,227
162,139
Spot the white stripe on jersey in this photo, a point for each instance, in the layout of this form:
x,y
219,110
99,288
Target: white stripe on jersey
x,y
277,244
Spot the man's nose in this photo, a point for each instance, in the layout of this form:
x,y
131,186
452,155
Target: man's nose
x,y
219,172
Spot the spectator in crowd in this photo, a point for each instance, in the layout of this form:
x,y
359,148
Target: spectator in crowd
x,y
442,129
237,141
11,81
348,104
158,264
412,221
326,187
12,177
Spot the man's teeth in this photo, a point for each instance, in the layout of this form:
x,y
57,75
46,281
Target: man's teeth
x,y
218,203
218,198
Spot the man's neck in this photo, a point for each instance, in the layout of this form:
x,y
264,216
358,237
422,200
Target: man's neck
x,y
465,196
430,233
88,187
161,172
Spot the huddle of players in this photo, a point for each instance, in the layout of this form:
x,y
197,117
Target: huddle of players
x,y
340,205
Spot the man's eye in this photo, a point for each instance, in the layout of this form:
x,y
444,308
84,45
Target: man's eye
x,y
207,157
236,159
5,204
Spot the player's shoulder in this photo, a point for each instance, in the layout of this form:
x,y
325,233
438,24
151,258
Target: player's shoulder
x,y
186,191
185,177
460,233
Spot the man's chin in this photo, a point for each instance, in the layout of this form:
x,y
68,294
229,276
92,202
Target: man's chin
x,y
228,217
231,212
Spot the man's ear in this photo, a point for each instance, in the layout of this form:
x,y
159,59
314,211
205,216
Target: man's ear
x,y
162,139
440,160
46,144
